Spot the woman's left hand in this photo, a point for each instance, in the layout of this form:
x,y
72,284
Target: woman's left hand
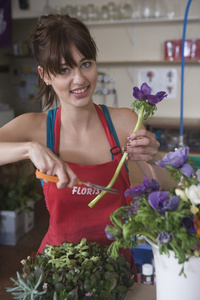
x,y
142,146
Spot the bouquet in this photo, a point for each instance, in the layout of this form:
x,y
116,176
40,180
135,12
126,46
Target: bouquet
x,y
168,218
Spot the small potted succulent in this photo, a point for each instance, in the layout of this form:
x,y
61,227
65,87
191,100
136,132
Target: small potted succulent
x,y
73,271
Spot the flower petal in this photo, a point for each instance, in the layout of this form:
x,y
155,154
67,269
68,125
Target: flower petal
x,y
187,170
138,94
145,89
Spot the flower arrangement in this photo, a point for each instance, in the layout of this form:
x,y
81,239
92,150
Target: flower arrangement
x,y
73,271
168,218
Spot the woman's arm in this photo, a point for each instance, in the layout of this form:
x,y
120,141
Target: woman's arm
x,y
25,138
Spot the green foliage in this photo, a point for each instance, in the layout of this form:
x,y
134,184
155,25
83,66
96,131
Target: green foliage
x,y
148,109
18,194
73,271
149,222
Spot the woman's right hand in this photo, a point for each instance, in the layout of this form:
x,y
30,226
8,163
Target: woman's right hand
x,y
48,163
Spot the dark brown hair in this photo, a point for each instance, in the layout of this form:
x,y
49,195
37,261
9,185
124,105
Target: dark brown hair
x,y
51,41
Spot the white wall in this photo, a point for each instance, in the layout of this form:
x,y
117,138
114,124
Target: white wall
x,y
138,42
148,45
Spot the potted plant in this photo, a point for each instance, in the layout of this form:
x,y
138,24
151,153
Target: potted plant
x,y
73,271
170,220
17,197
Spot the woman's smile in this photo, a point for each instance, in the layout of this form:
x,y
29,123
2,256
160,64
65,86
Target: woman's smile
x,y
80,92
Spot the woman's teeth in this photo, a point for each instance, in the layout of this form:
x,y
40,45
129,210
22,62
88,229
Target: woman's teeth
x,y
79,91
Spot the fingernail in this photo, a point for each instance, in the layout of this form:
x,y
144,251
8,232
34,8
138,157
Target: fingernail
x,y
128,144
124,149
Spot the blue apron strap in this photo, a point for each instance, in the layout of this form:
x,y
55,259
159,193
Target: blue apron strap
x,y
50,128
115,150
51,115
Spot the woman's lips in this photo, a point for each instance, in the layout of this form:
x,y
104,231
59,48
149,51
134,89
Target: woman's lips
x,y
80,93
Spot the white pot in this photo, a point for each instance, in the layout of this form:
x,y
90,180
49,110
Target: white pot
x,y
29,218
11,226
169,284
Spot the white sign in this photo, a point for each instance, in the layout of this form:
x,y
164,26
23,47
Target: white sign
x,y
160,79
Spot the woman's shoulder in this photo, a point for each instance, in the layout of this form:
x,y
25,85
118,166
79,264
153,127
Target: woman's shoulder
x,y
124,121
33,118
28,126
122,116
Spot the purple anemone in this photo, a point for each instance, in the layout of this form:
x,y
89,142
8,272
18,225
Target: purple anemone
x,y
178,160
188,223
143,189
113,232
162,202
144,94
165,238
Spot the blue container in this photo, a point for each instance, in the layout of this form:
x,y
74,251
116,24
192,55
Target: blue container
x,y
142,254
196,160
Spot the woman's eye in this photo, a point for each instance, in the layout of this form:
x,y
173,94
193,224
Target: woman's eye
x,y
64,71
86,64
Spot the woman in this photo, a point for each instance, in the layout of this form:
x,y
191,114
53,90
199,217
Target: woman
x,y
75,140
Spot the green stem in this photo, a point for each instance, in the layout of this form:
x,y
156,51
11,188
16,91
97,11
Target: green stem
x,y
147,234
120,165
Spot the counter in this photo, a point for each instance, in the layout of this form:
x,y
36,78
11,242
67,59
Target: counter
x,y
141,291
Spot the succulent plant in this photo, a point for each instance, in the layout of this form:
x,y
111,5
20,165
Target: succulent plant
x,y
73,271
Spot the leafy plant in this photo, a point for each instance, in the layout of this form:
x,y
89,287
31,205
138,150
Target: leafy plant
x,y
73,271
18,192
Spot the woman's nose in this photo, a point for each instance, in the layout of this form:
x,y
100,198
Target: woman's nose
x,y
78,76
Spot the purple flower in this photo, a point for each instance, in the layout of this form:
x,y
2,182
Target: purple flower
x,y
164,238
113,232
145,188
89,294
131,210
188,224
178,160
144,94
162,202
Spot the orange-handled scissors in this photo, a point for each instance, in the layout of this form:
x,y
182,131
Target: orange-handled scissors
x,y
79,182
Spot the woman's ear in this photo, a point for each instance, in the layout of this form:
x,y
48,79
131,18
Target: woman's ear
x,y
43,75
41,72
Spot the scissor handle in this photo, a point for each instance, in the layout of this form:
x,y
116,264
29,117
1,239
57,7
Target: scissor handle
x,y
46,177
51,178
79,182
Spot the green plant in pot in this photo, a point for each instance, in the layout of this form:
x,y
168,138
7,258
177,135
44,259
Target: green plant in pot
x,y
18,189
72,271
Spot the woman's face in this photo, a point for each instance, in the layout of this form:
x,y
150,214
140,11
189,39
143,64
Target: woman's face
x,y
75,85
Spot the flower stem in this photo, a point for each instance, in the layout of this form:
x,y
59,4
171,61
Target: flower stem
x,y
147,234
120,165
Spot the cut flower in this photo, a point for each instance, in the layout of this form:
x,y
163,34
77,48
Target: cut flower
x,y
144,94
146,105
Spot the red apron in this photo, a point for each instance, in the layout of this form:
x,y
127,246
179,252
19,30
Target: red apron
x,y
71,218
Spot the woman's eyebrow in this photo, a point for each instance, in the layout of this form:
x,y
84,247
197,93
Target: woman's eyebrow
x,y
65,64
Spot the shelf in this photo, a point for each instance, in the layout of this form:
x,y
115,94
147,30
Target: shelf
x,y
148,62
167,133
156,122
142,20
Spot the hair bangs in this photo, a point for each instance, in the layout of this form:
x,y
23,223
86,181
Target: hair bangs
x,y
59,49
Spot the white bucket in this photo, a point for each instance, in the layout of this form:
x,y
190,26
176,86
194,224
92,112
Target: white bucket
x,y
169,284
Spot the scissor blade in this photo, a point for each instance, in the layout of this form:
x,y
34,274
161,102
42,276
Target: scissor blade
x,y
100,187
